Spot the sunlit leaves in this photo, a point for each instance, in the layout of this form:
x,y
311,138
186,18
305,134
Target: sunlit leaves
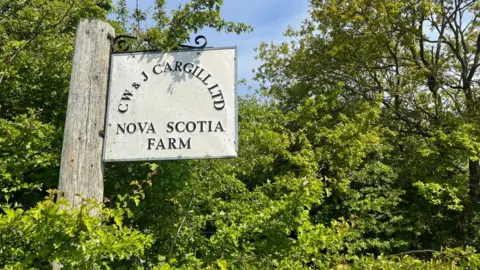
x,y
49,232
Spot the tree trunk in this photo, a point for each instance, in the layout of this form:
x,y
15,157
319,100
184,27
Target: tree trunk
x,y
474,180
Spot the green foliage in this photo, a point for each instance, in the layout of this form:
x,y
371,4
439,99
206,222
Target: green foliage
x,y
176,28
457,258
26,158
360,150
48,233
36,43
122,13
413,183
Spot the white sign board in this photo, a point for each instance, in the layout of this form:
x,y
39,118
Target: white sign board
x,y
177,105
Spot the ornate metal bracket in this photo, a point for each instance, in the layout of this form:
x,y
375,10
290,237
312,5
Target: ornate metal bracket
x,y
120,43
199,45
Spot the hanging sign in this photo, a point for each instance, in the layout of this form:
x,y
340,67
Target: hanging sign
x,y
177,105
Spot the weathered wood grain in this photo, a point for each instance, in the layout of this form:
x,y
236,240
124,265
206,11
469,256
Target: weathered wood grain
x,y
81,165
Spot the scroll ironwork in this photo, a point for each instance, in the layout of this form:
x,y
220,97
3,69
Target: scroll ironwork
x,y
120,43
197,41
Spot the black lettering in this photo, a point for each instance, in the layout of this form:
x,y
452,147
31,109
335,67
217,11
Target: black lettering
x,y
191,129
221,104
177,129
122,110
142,127
126,95
167,66
151,128
184,145
171,143
145,75
131,128
178,66
169,127
120,128
209,126
198,75
155,69
206,78
219,94
219,126
213,87
201,125
185,67
135,85
196,68
151,142
160,145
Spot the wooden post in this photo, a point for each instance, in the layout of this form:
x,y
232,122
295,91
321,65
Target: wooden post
x,y
81,170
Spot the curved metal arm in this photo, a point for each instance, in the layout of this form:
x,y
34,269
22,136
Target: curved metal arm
x,y
197,38
121,43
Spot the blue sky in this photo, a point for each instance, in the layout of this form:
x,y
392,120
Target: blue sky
x,y
270,18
